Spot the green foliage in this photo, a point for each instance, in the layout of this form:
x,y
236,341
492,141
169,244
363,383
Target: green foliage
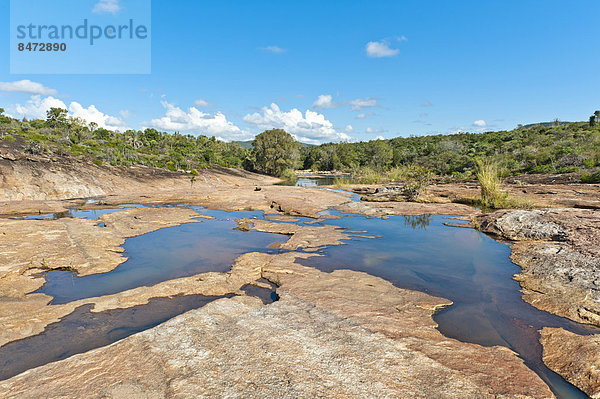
x,y
416,179
9,138
288,174
541,148
274,151
61,135
56,116
591,177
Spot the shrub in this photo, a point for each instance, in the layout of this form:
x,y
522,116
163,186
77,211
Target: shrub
x,y
591,177
287,174
9,138
416,180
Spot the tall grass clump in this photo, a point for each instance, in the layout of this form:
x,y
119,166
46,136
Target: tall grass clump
x,y
489,179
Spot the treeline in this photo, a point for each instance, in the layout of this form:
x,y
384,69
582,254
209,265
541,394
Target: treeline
x,y
559,148
61,135
543,148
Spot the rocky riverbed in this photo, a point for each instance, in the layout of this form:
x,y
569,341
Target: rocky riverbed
x,y
329,334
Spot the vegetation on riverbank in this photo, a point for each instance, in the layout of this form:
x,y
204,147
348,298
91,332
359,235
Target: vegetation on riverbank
x,y
540,148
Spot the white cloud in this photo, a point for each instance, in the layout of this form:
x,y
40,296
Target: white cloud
x,y
373,130
92,114
379,138
427,103
402,38
201,103
196,121
324,101
126,114
480,123
27,86
361,103
361,116
310,127
274,49
380,49
107,7
37,106
348,129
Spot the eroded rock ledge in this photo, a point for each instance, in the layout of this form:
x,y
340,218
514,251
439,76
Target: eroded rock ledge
x,y
559,253
344,334
575,357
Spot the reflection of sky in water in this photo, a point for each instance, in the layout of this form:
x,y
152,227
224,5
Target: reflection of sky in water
x,y
414,252
460,264
174,252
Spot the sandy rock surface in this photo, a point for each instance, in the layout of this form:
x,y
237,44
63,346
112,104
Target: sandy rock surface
x,y
575,357
344,334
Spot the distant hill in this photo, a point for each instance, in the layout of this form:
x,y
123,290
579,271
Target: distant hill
x,y
545,124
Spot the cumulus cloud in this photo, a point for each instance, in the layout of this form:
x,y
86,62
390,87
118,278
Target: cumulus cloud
x,y
195,121
274,49
361,116
107,7
348,129
379,138
325,101
92,114
310,127
27,86
480,123
427,103
36,108
201,103
380,49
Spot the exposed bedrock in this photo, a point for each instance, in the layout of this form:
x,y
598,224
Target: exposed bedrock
x,y
575,357
559,253
344,334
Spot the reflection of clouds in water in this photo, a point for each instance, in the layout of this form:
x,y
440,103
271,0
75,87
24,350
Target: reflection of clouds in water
x,y
468,238
375,260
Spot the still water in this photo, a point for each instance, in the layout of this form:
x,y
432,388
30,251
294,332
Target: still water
x,y
460,264
413,252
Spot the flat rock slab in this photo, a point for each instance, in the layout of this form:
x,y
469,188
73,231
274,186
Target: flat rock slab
x,y
344,334
575,357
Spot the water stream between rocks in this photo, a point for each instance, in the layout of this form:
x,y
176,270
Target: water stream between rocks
x,y
412,252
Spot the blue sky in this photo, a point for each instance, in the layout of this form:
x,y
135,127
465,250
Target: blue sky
x,y
336,70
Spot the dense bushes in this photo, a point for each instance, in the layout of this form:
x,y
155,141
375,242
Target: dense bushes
x,y
63,136
543,148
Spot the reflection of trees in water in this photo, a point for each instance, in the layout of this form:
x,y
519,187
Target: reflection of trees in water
x,y
417,222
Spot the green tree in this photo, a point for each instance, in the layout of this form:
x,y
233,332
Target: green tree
x,y
275,151
1,111
592,121
56,116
